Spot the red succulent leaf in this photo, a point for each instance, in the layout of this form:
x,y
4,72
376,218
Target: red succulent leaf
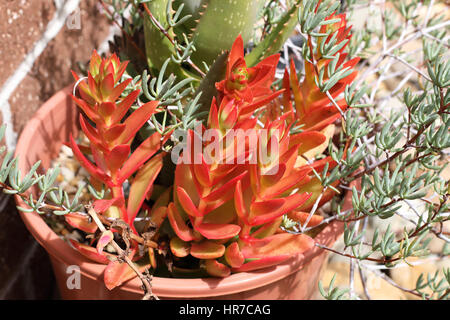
x,y
92,169
136,120
117,272
124,106
142,183
217,269
102,205
81,222
234,256
178,224
217,231
141,154
117,157
187,203
90,252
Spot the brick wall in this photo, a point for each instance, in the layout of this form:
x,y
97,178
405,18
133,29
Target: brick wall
x,y
40,42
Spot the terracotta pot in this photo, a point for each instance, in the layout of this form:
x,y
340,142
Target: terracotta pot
x,y
42,139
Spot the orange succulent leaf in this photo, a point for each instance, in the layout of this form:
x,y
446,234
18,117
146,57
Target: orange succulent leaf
x,y
136,120
307,140
92,134
289,203
217,231
142,183
102,205
187,203
179,247
140,155
158,215
123,106
216,269
92,169
267,229
207,249
233,255
179,225
87,110
90,252
116,273
80,222
117,157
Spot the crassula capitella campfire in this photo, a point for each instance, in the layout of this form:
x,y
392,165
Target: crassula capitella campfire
x,y
224,210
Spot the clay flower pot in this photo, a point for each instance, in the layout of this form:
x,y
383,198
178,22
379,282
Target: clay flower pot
x,y
41,140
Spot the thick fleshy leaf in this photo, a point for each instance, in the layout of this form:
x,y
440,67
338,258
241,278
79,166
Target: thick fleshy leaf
x,y
207,249
187,203
328,132
92,134
88,111
216,269
307,140
268,229
124,106
178,224
105,238
102,205
224,192
217,231
239,203
136,120
117,157
116,273
158,215
113,132
286,183
90,252
234,256
142,183
81,222
92,169
106,109
276,245
141,154
179,247
262,209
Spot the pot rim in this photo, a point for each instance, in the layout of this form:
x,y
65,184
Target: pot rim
x,y
164,287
